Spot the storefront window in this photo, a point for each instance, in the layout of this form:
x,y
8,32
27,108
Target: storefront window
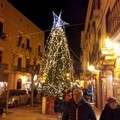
x,y
3,86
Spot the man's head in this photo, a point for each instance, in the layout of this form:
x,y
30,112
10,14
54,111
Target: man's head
x,y
112,101
77,95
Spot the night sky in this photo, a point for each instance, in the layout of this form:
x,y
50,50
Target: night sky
x,y
73,12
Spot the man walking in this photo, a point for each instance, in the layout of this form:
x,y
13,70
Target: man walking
x,y
78,108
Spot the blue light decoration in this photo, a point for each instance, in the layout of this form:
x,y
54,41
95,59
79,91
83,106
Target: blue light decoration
x,y
90,89
56,60
57,21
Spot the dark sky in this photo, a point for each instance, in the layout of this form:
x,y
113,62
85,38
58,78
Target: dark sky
x,y
73,12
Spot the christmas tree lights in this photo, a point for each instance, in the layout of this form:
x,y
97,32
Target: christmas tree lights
x,y
57,62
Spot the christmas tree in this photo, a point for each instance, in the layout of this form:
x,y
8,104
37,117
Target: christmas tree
x,y
57,62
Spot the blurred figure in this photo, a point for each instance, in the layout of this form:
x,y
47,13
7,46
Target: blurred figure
x,y
111,110
85,95
78,108
59,107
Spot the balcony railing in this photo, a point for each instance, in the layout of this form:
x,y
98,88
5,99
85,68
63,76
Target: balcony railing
x,y
3,66
21,69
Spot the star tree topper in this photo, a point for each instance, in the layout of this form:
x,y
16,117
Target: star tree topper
x,y
57,21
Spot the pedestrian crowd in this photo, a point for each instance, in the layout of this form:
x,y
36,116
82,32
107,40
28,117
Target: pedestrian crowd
x,y
73,106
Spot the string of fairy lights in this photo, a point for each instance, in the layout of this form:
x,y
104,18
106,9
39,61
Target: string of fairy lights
x,y
57,58
57,61
29,34
34,33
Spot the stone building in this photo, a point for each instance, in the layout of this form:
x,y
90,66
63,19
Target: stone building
x,y
21,48
100,43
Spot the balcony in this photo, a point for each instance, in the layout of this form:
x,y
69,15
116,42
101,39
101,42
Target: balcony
x,y
3,66
21,69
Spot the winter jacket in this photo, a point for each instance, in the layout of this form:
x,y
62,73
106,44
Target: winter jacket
x,y
58,105
85,111
110,114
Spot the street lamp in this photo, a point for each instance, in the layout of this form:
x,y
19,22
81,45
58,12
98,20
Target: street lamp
x,y
91,68
44,78
108,43
67,74
111,49
108,48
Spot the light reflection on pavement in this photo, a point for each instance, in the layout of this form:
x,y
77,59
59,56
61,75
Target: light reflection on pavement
x,y
33,113
28,113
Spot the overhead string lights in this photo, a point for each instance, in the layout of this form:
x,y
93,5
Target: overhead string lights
x,y
59,23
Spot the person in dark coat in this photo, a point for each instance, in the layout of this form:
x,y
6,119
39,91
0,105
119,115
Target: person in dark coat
x,y
111,110
78,108
59,107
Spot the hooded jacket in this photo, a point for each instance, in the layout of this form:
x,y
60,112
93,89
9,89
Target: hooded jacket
x,y
110,114
85,111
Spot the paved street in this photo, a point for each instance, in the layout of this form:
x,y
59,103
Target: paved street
x,y
29,113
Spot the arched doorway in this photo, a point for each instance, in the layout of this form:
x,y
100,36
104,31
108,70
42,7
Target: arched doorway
x,y
107,86
19,83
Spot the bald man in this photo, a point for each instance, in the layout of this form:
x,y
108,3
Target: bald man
x,y
78,108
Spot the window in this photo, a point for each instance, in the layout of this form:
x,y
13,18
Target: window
x,y
19,63
99,34
28,44
1,27
19,83
38,48
94,24
19,40
2,35
27,64
0,57
23,45
107,21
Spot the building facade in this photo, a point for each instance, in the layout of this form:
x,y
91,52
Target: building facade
x,y
100,44
21,48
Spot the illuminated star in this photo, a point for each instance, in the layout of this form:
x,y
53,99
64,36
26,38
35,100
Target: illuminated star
x,y
58,22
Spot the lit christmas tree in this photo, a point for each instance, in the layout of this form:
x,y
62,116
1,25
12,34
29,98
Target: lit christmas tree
x,y
57,63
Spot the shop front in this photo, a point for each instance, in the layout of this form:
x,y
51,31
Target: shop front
x,y
3,81
116,83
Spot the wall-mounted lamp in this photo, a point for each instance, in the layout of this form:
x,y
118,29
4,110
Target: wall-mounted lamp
x,y
108,43
108,49
91,68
